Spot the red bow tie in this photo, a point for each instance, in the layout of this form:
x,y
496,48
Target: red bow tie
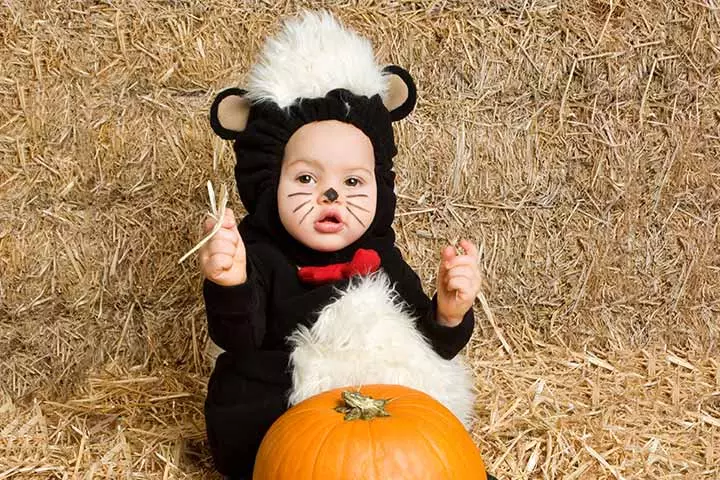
x,y
363,263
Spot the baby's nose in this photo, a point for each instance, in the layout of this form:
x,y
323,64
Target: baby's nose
x,y
330,194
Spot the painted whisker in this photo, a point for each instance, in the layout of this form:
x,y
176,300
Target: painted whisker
x,y
306,214
359,207
301,205
357,195
356,217
298,193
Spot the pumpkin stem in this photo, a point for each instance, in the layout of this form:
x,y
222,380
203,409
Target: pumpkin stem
x,y
356,405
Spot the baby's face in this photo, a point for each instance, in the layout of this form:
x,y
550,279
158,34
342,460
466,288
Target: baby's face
x,y
327,193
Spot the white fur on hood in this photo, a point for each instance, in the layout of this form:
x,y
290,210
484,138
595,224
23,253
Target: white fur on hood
x,y
310,56
365,337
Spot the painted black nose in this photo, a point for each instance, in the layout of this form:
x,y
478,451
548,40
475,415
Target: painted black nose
x,y
331,194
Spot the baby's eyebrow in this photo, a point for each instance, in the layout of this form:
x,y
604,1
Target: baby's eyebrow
x,y
360,169
304,161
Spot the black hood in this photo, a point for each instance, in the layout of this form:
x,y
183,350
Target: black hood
x,y
260,149
261,130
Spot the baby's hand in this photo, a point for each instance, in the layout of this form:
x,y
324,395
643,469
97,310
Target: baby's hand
x,y
458,283
222,258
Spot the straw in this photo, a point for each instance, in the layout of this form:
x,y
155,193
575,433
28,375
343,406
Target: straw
x,y
216,214
575,142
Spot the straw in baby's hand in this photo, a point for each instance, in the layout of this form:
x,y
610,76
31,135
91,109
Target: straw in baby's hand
x,y
217,214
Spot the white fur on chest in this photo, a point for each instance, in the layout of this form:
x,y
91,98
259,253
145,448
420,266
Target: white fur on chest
x,y
365,337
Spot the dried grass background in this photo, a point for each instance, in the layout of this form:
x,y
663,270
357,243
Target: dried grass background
x,y
578,142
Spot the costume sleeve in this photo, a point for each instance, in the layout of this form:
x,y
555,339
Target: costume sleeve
x,y
236,314
446,341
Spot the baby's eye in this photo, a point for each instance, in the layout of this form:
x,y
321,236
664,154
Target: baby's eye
x,y
353,182
305,179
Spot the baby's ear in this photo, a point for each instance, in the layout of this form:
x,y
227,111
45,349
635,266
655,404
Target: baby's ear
x,y
229,113
402,94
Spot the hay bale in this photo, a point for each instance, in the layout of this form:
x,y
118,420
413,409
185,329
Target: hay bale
x,y
577,142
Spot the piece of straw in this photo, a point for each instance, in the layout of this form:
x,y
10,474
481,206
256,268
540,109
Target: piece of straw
x,y
491,318
217,214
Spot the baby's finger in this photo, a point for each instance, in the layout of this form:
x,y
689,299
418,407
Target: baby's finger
x,y
228,219
217,264
461,284
229,235
447,253
453,277
208,225
463,271
220,245
470,248
461,260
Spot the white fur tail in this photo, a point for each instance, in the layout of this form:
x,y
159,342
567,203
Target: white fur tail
x,y
367,337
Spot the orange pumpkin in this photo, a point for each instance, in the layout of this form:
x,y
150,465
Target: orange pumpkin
x,y
374,432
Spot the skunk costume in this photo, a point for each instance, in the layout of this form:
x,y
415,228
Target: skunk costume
x,y
295,329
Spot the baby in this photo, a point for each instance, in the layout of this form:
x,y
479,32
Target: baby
x,y
309,291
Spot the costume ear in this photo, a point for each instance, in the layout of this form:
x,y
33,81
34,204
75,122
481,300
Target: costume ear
x,y
229,113
402,93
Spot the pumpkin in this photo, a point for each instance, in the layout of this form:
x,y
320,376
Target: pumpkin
x,y
374,432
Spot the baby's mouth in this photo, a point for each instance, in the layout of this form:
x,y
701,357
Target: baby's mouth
x,y
331,218
329,223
